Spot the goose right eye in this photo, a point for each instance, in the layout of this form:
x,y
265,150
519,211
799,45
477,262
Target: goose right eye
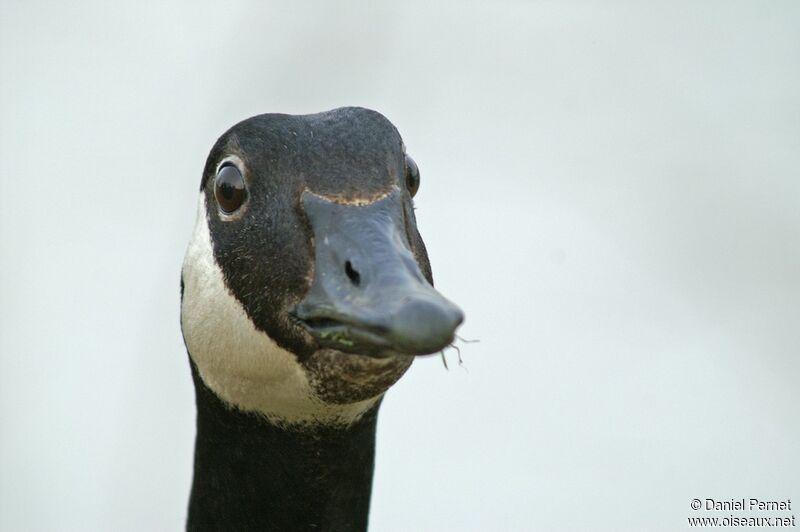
x,y
229,188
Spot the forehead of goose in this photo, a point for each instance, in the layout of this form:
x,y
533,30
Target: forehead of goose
x,y
348,153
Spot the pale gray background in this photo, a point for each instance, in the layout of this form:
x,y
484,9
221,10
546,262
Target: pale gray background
x,y
610,191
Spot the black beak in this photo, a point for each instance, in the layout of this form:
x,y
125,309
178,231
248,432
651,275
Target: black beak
x,y
368,295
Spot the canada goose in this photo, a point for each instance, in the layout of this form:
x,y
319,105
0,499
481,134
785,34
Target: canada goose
x,y
305,294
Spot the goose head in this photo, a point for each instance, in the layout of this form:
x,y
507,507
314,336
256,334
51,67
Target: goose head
x,y
306,288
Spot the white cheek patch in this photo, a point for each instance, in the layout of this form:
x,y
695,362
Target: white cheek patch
x,y
242,365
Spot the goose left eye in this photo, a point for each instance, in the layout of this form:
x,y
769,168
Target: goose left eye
x,y
229,188
412,176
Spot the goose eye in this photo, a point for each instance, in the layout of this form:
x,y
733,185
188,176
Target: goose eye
x,y
412,176
229,188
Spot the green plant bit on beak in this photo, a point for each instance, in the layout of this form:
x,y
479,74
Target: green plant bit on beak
x,y
337,337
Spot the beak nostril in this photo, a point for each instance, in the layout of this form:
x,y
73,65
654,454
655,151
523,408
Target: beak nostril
x,y
354,276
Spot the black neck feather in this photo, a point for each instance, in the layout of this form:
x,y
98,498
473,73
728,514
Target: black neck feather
x,y
252,475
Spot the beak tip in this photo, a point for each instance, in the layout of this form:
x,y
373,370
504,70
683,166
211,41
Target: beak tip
x,y
426,325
